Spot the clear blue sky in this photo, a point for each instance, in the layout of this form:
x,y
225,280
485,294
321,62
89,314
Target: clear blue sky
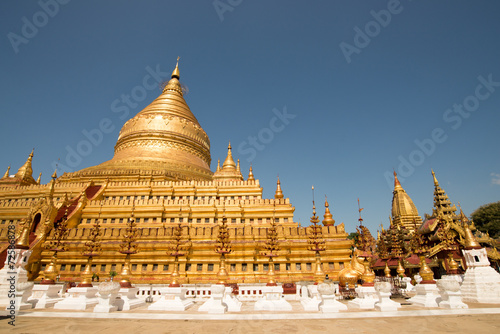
x,y
364,80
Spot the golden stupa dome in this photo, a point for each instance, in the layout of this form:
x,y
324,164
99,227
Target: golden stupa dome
x,y
164,139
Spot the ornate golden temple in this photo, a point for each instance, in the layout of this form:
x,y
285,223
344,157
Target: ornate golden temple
x,y
160,175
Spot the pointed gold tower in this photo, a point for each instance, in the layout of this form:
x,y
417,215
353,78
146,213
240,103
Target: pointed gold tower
x,y
404,212
250,174
229,171
24,175
6,175
278,194
328,218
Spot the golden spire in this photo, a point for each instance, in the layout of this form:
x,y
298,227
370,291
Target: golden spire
x,y
54,175
314,218
175,73
229,162
218,165
39,178
436,183
6,175
328,221
238,169
229,170
25,172
174,84
279,193
397,185
250,174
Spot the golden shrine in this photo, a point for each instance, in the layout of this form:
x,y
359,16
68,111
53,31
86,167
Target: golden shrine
x,y
410,243
157,207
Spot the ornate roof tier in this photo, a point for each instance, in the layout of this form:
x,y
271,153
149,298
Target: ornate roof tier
x,y
442,204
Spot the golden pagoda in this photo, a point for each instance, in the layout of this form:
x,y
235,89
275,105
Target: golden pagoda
x,y
160,176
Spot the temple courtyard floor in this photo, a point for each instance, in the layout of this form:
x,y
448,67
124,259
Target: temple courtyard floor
x,y
478,318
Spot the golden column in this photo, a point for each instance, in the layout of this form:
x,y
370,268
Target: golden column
x,y
128,247
92,249
316,244
223,247
272,249
57,244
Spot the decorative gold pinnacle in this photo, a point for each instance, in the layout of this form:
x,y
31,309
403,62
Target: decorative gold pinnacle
x,y
6,175
316,243
250,174
279,193
176,249
57,244
223,247
128,247
92,248
175,73
328,217
272,248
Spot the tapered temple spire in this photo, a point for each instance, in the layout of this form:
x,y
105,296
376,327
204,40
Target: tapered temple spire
x,y
328,218
442,204
397,185
24,175
404,212
229,171
229,162
250,174
6,175
436,183
279,193
175,73
26,171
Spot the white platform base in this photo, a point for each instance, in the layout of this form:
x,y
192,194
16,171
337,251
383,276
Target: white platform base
x,y
79,299
311,304
452,300
46,295
171,299
214,304
367,297
106,304
127,299
331,305
427,295
233,303
385,304
272,300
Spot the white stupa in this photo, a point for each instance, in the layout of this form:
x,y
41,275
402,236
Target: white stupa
x,y
481,282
